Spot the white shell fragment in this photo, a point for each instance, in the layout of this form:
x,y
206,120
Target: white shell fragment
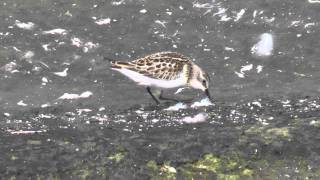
x,y
264,47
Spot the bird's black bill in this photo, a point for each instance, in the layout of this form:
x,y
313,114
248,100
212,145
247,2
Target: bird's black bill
x,y
208,94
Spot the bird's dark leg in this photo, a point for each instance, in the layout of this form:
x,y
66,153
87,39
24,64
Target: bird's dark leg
x,y
166,98
153,97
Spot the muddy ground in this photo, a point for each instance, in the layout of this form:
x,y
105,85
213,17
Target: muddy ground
x,y
65,115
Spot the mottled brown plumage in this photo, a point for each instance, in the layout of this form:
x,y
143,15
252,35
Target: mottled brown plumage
x,y
163,65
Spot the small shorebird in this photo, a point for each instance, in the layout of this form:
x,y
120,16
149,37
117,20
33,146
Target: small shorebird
x,y
164,70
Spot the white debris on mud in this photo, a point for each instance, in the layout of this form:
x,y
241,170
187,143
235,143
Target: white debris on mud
x,y
259,68
201,117
86,46
21,103
19,132
179,90
10,67
68,96
23,25
62,73
103,21
202,103
239,15
57,31
243,69
264,47
176,107
143,11
314,1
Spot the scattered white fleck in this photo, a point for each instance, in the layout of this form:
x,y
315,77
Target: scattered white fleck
x,y
299,74
169,169
202,6
299,35
28,55
229,49
80,111
21,103
203,102
315,123
6,114
117,3
264,47
68,13
179,90
16,49
45,105
143,11
286,103
257,103
175,46
10,67
295,23
102,108
314,1
46,47
103,21
169,13
302,100
85,46
62,73
206,49
240,14
44,80
45,116
201,117
89,45
176,107
220,12
254,13
56,31
86,94
139,111
309,24
26,132
270,20
181,8
22,25
155,120
246,68
225,18
240,75
76,42
162,23
76,96
259,68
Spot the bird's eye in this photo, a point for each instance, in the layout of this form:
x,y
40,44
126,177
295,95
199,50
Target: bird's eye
x,y
204,82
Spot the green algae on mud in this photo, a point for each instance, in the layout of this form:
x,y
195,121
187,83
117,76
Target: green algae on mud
x,y
208,166
233,167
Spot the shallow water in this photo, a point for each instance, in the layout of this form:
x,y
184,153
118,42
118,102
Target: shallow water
x,y
65,114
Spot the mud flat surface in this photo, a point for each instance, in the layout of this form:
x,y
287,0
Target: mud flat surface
x,y
65,115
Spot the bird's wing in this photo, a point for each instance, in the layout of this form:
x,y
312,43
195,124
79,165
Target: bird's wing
x,y
164,65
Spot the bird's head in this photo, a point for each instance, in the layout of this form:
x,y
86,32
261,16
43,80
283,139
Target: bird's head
x,y
200,80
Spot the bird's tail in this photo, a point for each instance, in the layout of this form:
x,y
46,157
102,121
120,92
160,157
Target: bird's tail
x,y
118,64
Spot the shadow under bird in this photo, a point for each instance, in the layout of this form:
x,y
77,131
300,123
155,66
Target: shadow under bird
x,y
164,70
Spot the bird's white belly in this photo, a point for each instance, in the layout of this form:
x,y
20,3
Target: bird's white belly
x,y
147,81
